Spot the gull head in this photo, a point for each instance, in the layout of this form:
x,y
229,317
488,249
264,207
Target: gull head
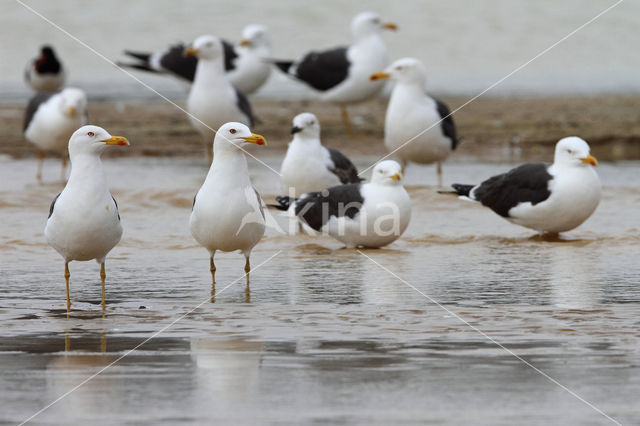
x,y
73,102
574,151
367,23
387,172
205,47
405,70
306,126
93,140
231,136
255,36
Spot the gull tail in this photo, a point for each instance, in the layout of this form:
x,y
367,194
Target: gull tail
x,y
144,57
284,66
460,189
284,202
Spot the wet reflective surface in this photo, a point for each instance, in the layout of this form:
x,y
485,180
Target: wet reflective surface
x,y
323,335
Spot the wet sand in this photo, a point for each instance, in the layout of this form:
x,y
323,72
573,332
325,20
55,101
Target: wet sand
x,y
493,129
322,334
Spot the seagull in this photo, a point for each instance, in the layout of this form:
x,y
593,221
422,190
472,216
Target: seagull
x,y
227,211
549,199
213,101
84,222
370,215
417,127
245,63
309,166
50,120
45,73
341,75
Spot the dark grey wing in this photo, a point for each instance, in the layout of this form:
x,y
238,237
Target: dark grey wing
x,y
447,124
526,183
175,62
117,209
324,70
316,208
243,104
343,167
53,204
33,105
230,55
259,202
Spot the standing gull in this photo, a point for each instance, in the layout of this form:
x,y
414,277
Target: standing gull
x,y
309,166
213,101
371,214
548,199
227,211
341,75
50,120
45,73
417,127
244,63
84,222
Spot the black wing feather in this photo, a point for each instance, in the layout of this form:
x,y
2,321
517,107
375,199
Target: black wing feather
x,y
53,203
447,124
315,208
230,55
324,70
244,106
526,183
178,64
33,105
117,209
343,167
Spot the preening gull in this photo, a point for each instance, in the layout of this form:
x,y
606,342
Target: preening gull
x,y
213,101
84,222
341,75
548,199
50,120
227,211
45,73
244,62
418,126
309,166
371,214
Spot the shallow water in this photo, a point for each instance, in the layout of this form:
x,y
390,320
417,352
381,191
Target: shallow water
x,y
323,335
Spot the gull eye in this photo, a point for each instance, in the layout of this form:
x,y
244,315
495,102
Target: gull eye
x,y
233,131
380,171
569,151
91,134
399,68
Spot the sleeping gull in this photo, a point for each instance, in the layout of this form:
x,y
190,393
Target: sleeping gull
x,y
213,101
227,211
50,120
341,75
417,127
548,199
371,214
45,73
309,166
84,222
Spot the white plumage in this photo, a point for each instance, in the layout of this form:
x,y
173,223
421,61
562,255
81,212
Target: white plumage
x,y
84,222
227,211
250,69
416,127
212,100
51,119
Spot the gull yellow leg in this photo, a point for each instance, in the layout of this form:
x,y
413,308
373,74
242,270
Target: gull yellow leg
x,y
439,171
103,276
63,174
212,268
247,270
67,275
345,121
40,161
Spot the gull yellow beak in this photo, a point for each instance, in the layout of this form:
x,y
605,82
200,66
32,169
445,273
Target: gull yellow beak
x,y
116,140
397,176
390,26
245,42
255,138
190,51
379,76
71,111
590,159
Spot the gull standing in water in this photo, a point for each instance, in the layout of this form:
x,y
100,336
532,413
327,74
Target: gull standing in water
x,y
84,222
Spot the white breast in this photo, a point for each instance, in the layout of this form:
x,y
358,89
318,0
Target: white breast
x,y
305,169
